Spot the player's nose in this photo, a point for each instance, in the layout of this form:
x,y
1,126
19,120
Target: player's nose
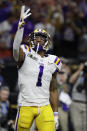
x,y
38,38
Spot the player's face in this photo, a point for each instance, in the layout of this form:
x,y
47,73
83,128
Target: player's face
x,y
40,40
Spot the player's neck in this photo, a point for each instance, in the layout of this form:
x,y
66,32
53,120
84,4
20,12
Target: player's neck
x,y
41,53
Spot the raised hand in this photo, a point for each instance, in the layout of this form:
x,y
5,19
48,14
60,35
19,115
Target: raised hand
x,y
23,16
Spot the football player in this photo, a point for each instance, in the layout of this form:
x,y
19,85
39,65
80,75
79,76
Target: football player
x,y
36,79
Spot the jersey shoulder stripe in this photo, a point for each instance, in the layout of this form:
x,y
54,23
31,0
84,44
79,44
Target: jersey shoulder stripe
x,y
27,48
57,60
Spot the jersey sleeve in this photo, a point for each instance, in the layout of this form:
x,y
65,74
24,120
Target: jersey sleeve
x,y
26,48
56,63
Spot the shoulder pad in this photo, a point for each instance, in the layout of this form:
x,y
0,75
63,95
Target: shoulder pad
x,y
56,61
51,58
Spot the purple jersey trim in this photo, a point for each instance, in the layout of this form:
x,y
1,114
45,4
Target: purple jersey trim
x,y
56,59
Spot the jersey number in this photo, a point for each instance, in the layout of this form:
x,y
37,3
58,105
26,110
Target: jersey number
x,y
39,83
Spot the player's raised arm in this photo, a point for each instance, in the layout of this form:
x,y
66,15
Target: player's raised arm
x,y
18,53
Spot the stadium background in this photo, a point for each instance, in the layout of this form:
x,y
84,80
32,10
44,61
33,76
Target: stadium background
x,y
65,20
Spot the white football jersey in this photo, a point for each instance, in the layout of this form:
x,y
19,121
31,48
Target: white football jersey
x,y
34,77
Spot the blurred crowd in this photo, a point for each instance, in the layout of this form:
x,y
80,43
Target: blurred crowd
x,y
66,22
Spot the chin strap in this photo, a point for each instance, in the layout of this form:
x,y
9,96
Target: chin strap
x,y
44,47
32,44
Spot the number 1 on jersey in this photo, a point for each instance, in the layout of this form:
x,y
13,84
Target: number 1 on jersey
x,y
39,83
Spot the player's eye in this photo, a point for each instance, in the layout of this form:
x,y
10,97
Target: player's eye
x,y
41,36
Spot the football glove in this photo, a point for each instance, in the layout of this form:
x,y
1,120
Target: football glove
x,y
23,16
56,119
